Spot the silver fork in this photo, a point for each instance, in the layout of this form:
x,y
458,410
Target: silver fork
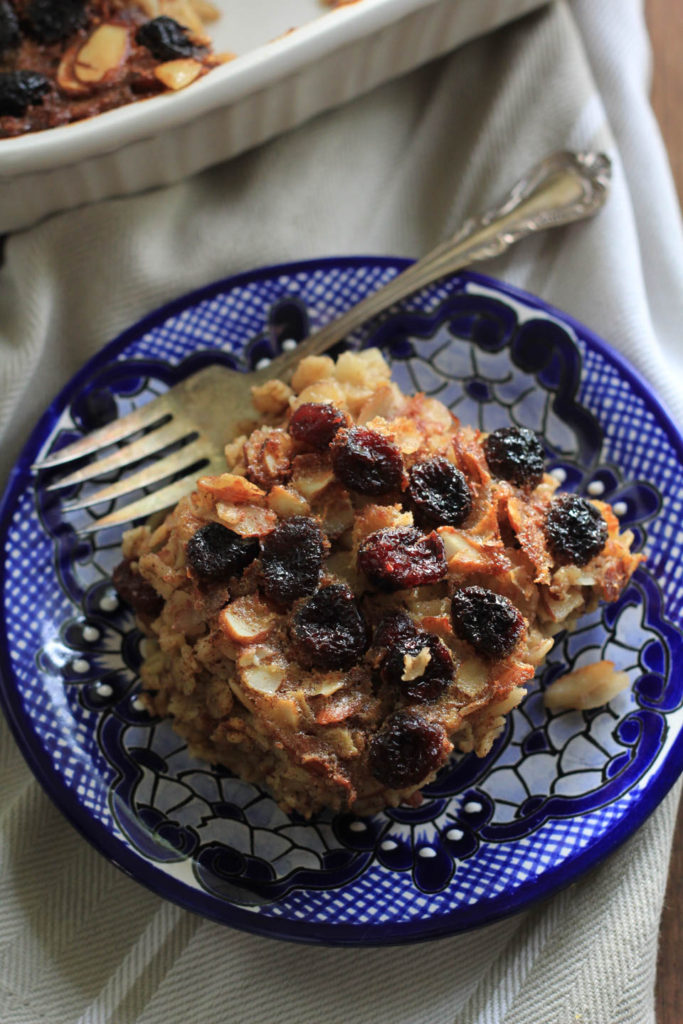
x,y
205,409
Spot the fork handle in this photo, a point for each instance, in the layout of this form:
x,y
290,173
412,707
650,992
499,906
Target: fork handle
x,y
563,188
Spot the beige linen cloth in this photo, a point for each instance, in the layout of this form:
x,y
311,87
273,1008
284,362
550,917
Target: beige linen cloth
x,y
393,172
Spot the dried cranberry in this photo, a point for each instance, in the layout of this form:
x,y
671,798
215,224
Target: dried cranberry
x,y
291,559
10,37
366,461
316,423
392,630
20,90
439,494
406,750
136,591
437,675
216,553
515,454
575,529
401,556
488,621
165,39
50,22
328,631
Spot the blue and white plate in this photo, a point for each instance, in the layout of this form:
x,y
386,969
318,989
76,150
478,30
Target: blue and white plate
x,y
557,793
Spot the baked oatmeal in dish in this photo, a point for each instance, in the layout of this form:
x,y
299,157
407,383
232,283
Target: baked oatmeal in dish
x,y
367,586
65,60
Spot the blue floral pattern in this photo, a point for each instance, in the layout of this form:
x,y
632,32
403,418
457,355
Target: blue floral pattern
x,y
491,833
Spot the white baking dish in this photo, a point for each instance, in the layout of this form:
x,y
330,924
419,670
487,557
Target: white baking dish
x,y
276,82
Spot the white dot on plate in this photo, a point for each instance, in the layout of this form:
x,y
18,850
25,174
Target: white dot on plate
x,y
559,474
104,690
472,807
80,665
455,834
262,363
91,634
109,603
138,704
388,844
596,487
357,826
620,508
427,852
289,344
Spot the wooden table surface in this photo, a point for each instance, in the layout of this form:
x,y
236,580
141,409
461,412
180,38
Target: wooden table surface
x,y
665,21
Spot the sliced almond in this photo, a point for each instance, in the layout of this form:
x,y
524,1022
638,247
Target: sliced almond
x,y
264,678
286,502
559,609
326,686
247,520
339,708
588,687
104,52
260,670
176,74
455,544
311,474
466,554
66,78
230,487
505,706
472,677
247,620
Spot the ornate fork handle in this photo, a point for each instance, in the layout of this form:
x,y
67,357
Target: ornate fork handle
x,y
562,188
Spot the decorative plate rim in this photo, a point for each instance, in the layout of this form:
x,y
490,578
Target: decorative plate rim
x,y
165,885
